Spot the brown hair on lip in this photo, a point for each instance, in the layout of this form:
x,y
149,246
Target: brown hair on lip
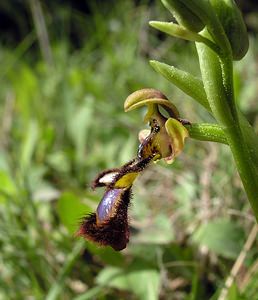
x,y
114,231
109,225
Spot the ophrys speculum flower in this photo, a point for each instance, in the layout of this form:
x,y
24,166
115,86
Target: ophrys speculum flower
x,y
167,134
109,224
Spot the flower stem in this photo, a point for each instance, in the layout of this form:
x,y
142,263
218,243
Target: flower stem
x,y
207,132
217,80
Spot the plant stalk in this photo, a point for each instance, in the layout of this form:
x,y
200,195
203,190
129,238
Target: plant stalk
x,y
217,80
207,132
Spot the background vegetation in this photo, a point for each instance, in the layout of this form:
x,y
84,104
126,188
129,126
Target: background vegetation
x,y
62,122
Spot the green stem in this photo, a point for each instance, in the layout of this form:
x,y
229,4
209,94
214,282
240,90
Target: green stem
x,y
227,77
217,80
207,132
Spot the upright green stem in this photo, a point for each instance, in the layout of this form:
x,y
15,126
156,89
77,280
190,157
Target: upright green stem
x,y
217,79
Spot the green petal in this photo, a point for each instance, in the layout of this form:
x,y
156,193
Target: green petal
x,y
177,133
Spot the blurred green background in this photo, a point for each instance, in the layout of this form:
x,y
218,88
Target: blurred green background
x,y
66,69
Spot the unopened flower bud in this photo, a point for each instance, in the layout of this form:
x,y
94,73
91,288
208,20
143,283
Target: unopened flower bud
x,y
233,25
184,16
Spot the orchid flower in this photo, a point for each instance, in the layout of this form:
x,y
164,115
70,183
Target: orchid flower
x,y
167,135
109,224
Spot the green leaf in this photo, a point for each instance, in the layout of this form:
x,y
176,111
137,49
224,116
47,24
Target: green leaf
x,y
70,210
29,144
249,289
221,236
106,254
79,125
59,161
90,294
176,31
183,33
160,231
233,293
186,82
35,177
7,186
58,286
143,283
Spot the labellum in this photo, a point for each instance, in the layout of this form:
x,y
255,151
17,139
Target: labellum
x,y
108,226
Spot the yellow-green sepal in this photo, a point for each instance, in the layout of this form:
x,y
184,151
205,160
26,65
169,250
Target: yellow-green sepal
x,y
177,133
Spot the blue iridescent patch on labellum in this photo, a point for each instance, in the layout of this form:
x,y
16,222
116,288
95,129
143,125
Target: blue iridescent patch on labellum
x,y
107,204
